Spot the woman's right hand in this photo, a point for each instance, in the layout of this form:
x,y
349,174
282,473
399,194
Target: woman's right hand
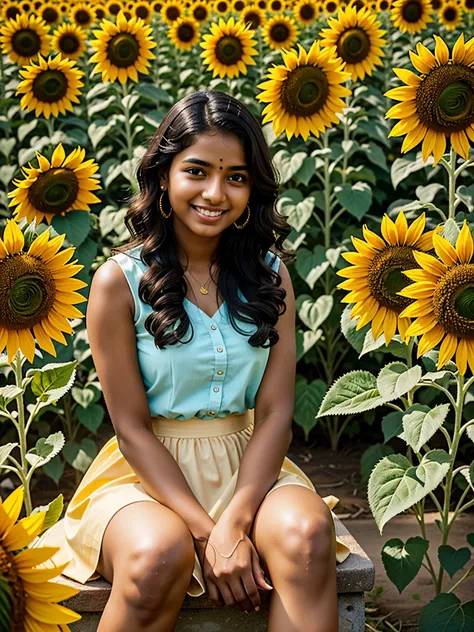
x,y
234,580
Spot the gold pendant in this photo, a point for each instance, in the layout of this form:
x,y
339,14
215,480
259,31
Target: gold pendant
x,y
203,290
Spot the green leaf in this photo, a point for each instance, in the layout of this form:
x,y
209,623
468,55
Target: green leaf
x,y
466,194
91,417
308,398
396,485
306,171
45,449
451,559
152,93
396,379
83,396
450,231
403,561
376,155
298,214
8,394
305,340
310,265
446,613
354,392
402,167
54,469
470,539
53,512
53,380
98,130
75,224
5,450
288,164
312,312
429,192
370,457
356,198
421,422
348,328
80,455
392,425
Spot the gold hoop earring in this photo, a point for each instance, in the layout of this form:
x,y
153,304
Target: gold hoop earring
x,y
161,207
248,217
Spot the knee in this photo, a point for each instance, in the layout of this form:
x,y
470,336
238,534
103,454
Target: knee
x,y
156,568
309,537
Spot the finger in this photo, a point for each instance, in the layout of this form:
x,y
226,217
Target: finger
x,y
248,581
227,593
258,572
214,594
240,594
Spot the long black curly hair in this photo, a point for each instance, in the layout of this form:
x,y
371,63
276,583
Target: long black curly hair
x,y
240,254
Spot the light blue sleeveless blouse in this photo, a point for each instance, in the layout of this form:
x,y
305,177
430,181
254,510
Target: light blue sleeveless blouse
x,y
216,374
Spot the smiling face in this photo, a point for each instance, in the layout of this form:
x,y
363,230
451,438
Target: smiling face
x,y
212,172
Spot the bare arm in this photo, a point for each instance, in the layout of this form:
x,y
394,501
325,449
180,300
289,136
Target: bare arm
x,y
112,340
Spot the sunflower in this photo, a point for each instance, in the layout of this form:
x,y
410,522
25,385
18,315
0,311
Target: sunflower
x,y
184,33
304,94
142,10
113,7
437,5
221,7
69,40
171,11
23,38
467,5
330,6
26,7
384,5
49,13
56,187
280,31
100,11
411,16
63,8
199,11
228,49
239,5
439,103
305,11
34,597
443,306
123,49
358,40
50,86
157,6
450,15
82,15
375,278
10,10
277,6
253,14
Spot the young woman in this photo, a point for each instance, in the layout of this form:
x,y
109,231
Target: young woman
x,y
192,331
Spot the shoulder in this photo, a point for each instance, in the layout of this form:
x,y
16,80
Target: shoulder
x,y
110,284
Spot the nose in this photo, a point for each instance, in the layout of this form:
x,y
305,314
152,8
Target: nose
x,y
215,191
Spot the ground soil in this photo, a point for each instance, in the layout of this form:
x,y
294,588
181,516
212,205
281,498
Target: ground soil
x,y
335,474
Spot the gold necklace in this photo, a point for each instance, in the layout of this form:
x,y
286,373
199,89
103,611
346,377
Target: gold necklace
x,y
202,289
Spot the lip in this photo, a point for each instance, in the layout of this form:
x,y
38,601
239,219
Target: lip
x,y
209,208
205,218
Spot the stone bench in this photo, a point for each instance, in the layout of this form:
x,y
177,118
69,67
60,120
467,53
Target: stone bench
x,y
198,614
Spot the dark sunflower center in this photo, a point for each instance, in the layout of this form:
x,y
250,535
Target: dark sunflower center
x,y
450,14
358,4
128,15
445,98
50,15
50,86
28,289
99,13
279,32
185,33
142,12
229,50
9,572
172,13
307,12
331,7
353,46
114,9
222,7
385,277
12,12
453,300
26,43
412,11
276,5
262,4
254,19
469,4
200,13
123,50
384,5
55,191
436,4
69,43
305,91
83,17
157,6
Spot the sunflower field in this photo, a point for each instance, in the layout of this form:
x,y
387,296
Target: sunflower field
x,y
368,109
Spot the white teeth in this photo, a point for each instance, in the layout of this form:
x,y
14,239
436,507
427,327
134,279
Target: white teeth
x,y
208,213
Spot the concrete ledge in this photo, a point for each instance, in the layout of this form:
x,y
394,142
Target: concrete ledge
x,y
198,614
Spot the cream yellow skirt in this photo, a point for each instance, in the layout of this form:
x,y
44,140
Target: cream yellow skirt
x,y
207,451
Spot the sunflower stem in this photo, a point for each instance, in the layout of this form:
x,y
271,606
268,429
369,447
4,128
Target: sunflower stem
x,y
17,367
50,127
421,523
452,183
446,525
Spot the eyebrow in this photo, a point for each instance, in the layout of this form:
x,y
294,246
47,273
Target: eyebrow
x,y
197,161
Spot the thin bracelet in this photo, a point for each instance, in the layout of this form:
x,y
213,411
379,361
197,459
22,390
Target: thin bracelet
x,y
226,556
